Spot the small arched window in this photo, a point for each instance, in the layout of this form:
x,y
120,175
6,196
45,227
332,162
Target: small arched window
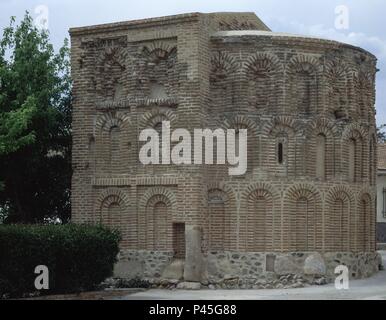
x,y
280,153
237,142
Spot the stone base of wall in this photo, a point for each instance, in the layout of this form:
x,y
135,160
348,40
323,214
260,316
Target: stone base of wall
x,y
142,264
309,265
229,270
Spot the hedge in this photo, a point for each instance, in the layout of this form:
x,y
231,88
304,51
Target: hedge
x,y
78,257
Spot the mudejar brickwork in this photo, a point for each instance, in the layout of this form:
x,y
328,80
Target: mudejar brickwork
x,y
307,201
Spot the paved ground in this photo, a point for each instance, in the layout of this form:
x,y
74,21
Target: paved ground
x,y
373,288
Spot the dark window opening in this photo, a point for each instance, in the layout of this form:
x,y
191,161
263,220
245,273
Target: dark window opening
x,y
179,240
280,155
339,114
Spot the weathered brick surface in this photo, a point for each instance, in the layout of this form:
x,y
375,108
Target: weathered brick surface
x,y
308,99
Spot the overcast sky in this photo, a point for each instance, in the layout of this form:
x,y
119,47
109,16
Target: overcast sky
x,y
366,25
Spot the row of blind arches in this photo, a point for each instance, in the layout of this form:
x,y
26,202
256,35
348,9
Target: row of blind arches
x,y
344,225
324,156
302,226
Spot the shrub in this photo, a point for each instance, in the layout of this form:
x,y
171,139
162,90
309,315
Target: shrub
x,y
78,257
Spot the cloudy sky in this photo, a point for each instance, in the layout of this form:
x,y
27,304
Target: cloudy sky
x,y
365,27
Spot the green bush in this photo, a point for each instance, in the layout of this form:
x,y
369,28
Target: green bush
x,y
78,257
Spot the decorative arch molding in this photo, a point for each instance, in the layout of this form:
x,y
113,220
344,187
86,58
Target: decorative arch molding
x,y
110,196
304,77
365,219
169,198
363,92
222,79
223,65
223,188
340,192
157,210
368,196
240,122
366,191
113,139
155,116
367,94
302,190
263,61
114,54
112,119
109,70
340,219
112,207
157,199
220,218
260,187
337,69
355,131
158,49
280,124
322,148
217,221
157,68
322,125
259,221
263,73
299,62
303,222
366,79
338,76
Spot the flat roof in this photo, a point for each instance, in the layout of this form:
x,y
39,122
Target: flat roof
x,y
283,35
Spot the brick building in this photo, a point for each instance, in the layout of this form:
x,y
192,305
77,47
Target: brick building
x,y
308,105
381,195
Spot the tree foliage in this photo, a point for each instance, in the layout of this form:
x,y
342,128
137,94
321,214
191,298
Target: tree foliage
x,y
78,257
381,133
35,125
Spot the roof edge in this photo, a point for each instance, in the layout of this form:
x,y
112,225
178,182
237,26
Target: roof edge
x,y
152,22
287,36
134,23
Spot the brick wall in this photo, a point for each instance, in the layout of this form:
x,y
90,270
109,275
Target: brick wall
x,y
308,105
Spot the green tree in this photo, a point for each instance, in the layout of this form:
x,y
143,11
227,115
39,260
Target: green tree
x,y
381,133
35,125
